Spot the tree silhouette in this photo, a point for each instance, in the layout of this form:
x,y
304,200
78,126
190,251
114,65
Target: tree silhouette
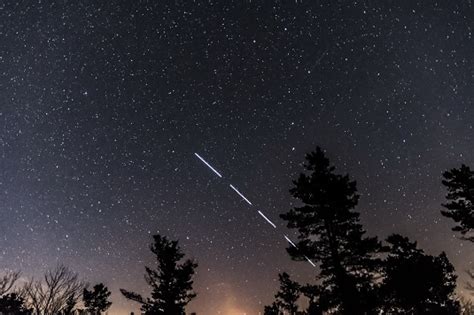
x,y
460,208
330,234
96,300
171,281
13,304
313,293
286,298
271,309
417,283
7,281
58,293
68,309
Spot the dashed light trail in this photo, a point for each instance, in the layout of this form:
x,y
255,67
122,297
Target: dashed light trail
x,y
250,204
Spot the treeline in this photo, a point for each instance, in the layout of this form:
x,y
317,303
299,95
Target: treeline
x,y
358,274
59,291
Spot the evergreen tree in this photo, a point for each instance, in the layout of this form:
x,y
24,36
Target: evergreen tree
x,y
330,234
286,298
271,309
171,281
313,293
13,304
415,283
460,208
96,300
69,307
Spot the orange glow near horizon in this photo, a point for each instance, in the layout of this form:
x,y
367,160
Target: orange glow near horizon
x,y
234,311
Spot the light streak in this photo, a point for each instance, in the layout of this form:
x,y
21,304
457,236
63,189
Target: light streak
x,y
208,165
248,201
267,219
309,260
289,241
240,194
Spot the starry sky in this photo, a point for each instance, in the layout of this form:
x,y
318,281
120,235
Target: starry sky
x,y
104,103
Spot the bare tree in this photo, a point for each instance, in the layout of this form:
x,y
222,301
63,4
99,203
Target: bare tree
x,y
59,289
7,281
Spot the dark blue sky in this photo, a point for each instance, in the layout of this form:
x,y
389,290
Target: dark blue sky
x,y
104,104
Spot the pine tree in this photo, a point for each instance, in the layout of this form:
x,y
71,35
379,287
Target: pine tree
x,y
460,208
69,308
271,309
96,300
286,298
415,283
313,293
288,295
330,234
171,281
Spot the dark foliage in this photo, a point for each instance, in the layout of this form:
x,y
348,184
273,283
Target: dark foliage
x,y
417,283
313,293
271,310
13,304
286,298
460,208
171,281
69,307
96,300
330,234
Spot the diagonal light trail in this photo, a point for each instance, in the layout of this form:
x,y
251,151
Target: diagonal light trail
x,y
240,194
289,241
208,165
310,261
267,219
248,201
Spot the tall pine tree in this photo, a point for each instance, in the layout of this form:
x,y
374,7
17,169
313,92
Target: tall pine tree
x,y
286,299
330,234
96,300
460,208
171,280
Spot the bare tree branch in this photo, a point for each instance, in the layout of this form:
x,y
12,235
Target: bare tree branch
x,y
59,289
8,281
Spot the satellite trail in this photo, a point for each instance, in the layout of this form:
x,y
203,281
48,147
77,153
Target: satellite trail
x,y
290,241
240,194
309,260
208,165
267,219
248,201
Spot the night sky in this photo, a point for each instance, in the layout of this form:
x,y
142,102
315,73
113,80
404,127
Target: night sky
x,y
104,103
